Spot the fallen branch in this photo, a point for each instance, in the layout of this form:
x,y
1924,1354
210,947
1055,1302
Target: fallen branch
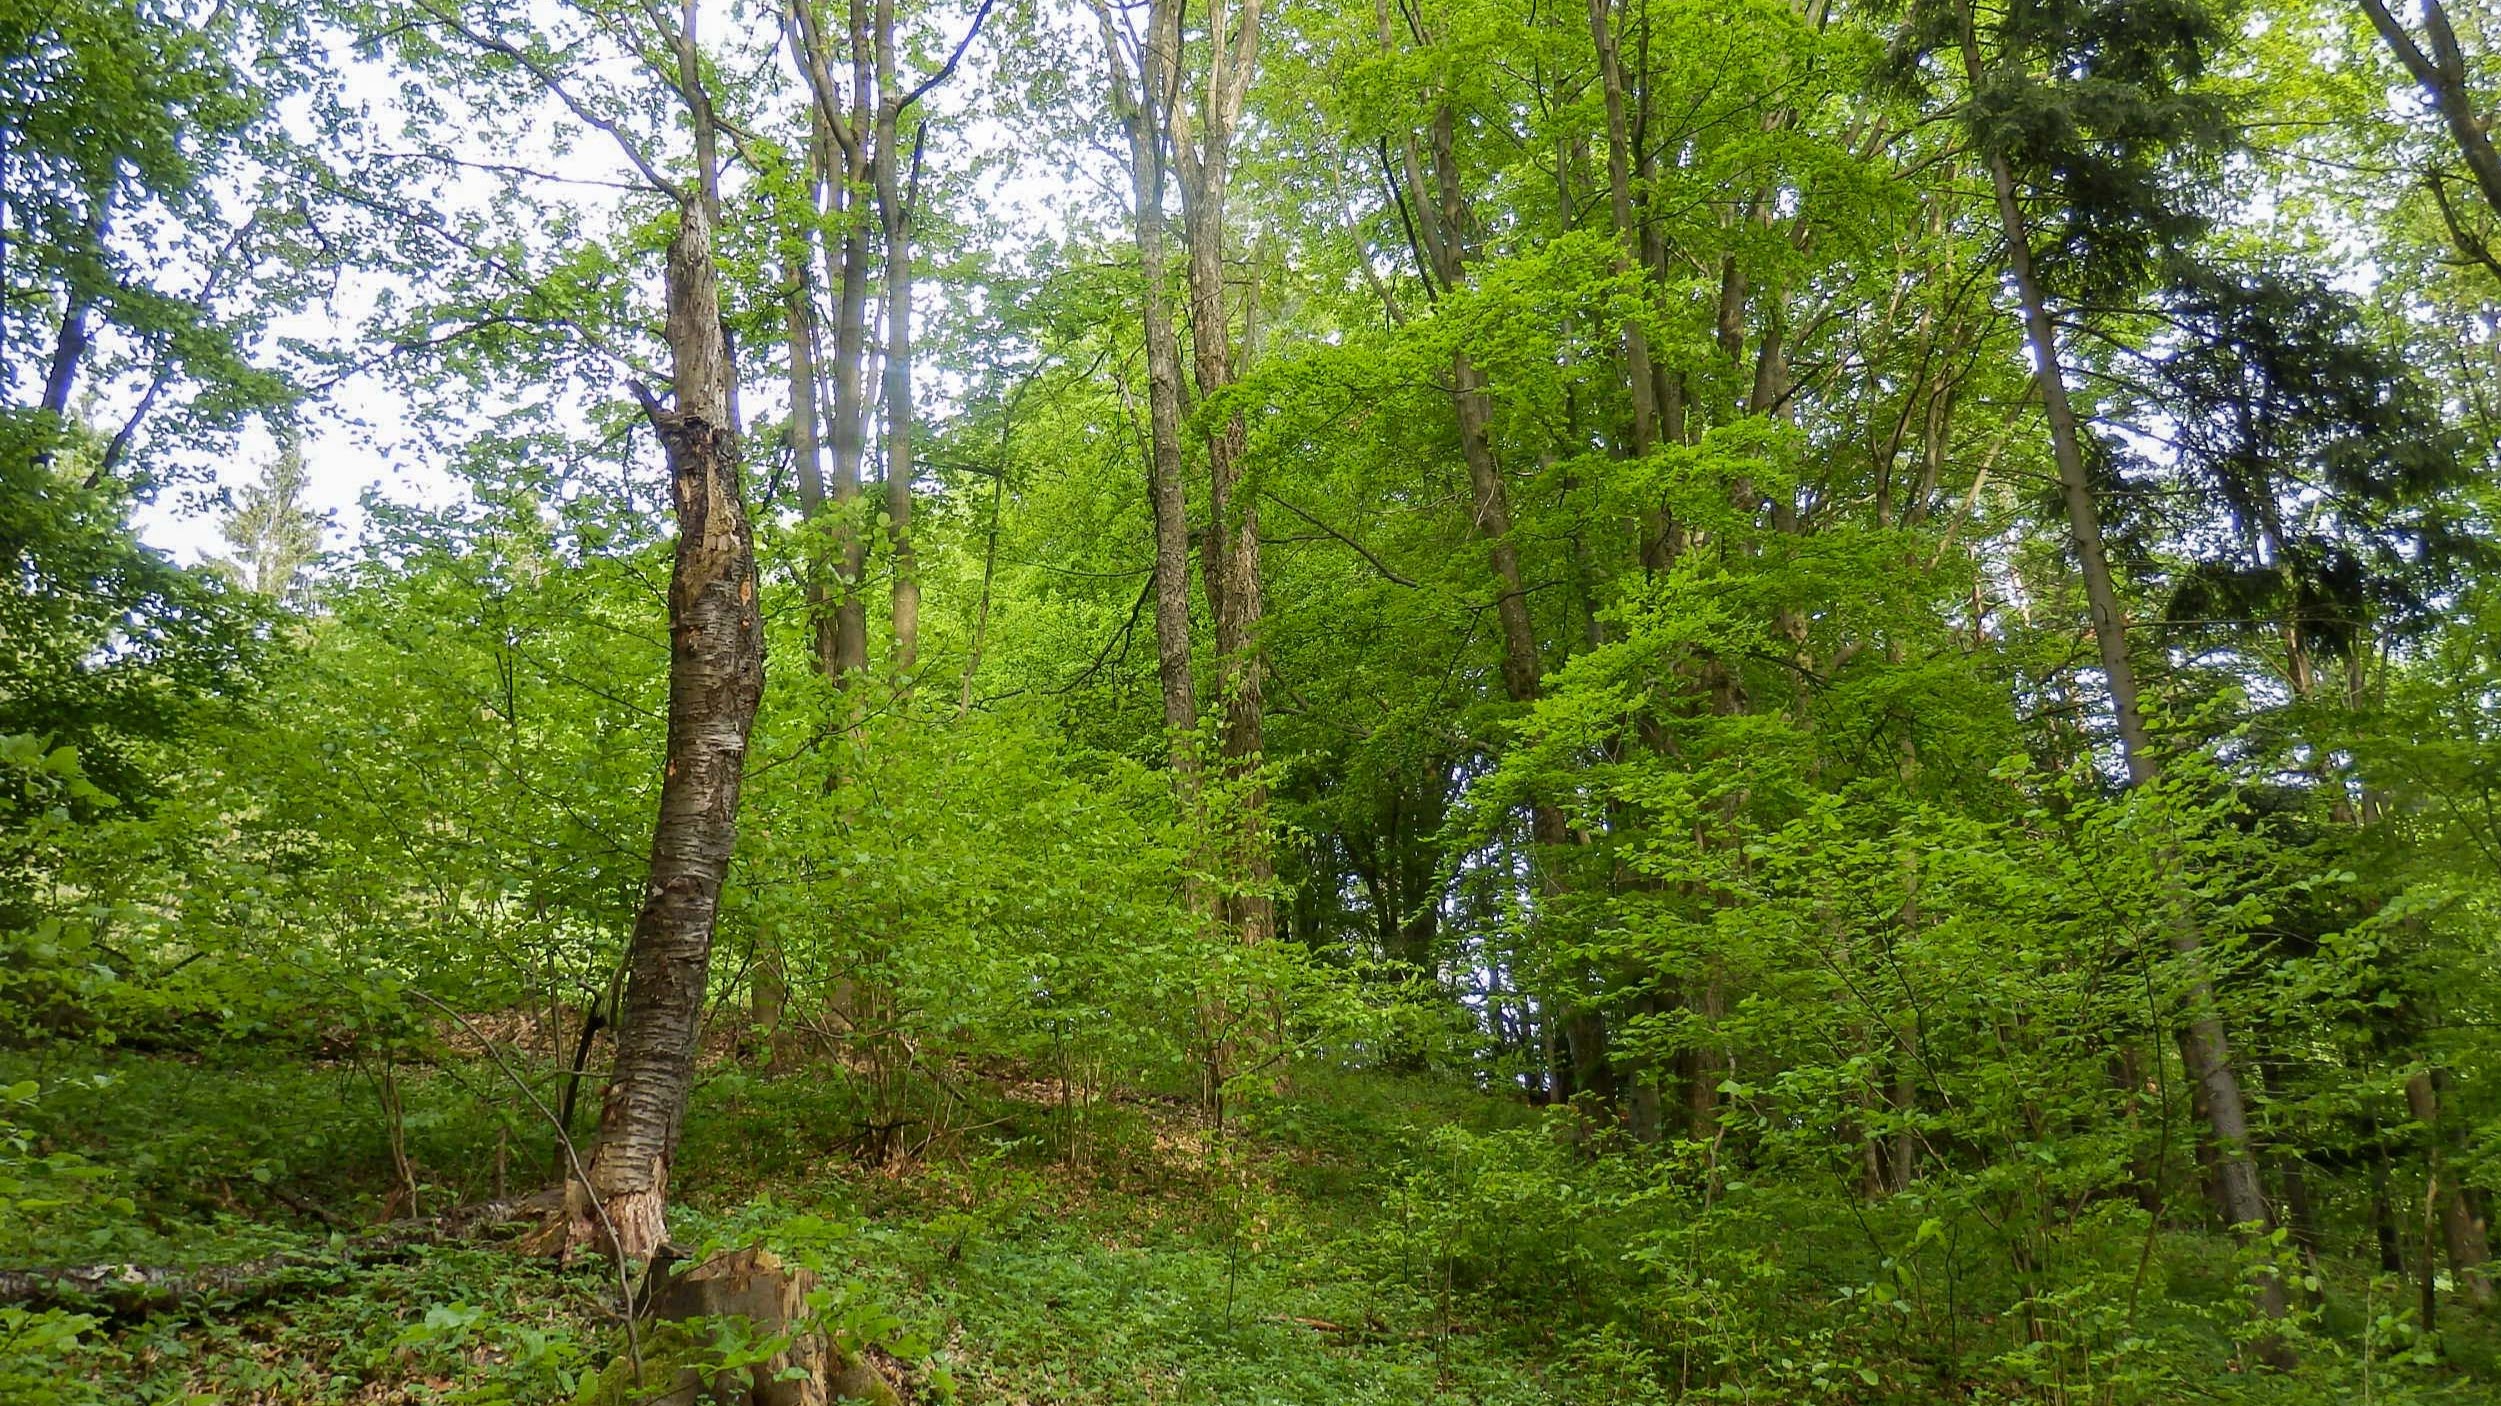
x,y
135,1291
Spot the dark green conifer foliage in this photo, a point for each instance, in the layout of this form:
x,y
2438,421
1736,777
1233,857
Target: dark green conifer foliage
x,y
2321,479
2096,105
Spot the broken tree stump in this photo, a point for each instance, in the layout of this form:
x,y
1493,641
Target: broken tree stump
x,y
681,1366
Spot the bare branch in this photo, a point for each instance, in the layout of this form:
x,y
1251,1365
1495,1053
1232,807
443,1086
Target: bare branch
x,y
549,80
947,70
1360,549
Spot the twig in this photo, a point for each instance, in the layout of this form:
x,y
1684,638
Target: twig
x,y
564,1139
1360,549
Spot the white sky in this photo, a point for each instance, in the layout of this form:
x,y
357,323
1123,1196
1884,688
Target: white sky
x,y
357,437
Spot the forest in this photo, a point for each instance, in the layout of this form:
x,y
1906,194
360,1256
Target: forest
x,y
1309,702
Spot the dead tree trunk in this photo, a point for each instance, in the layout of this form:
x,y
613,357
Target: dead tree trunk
x,y
814,1368
716,678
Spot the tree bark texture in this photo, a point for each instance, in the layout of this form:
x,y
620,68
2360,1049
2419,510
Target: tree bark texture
x,y
806,454
850,436
716,678
1230,559
846,135
894,210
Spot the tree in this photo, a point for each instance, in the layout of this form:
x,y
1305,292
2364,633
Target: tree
x,y
118,126
2438,64
274,535
868,133
112,649
2088,112
716,680
1144,112
1180,120
618,1202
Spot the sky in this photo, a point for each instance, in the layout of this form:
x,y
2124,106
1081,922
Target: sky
x,y
357,436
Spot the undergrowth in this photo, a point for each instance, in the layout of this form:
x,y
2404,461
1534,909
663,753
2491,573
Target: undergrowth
x,y
1356,1239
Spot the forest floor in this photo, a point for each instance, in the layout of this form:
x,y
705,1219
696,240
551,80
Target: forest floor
x,y
1149,1258
1134,1254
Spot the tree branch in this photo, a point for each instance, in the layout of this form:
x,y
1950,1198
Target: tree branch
x,y
1360,549
947,70
554,85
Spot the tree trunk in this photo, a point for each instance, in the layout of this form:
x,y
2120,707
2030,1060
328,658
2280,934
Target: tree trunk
x,y
2443,76
2461,1236
1639,375
813,1367
716,677
894,208
838,131
850,436
1230,559
1583,1063
2384,1216
2203,1046
1522,670
69,348
1146,118
808,461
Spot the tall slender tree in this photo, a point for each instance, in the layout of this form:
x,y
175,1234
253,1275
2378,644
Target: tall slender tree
x,y
1143,96
2085,117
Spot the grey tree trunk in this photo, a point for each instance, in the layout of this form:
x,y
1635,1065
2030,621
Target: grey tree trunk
x,y
1444,225
804,453
850,433
1145,116
2204,1049
840,125
894,211
69,347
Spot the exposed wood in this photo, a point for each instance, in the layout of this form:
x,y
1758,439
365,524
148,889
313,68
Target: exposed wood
x,y
814,1367
716,679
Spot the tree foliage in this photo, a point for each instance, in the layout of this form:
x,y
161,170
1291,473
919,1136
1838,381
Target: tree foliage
x,y
1786,700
